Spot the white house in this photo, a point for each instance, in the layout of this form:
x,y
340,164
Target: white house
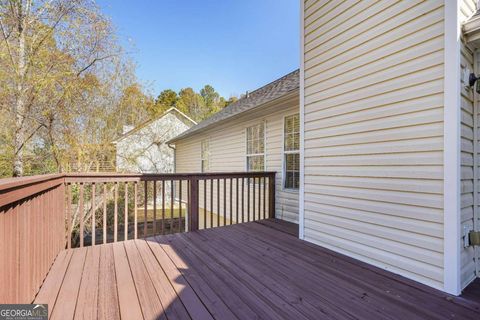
x,y
144,149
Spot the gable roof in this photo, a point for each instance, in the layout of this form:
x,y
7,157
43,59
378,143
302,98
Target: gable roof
x,y
270,92
146,123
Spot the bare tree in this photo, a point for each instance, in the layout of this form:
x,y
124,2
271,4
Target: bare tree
x,y
56,56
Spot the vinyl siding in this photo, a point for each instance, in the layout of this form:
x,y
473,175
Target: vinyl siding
x,y
227,152
374,133
467,8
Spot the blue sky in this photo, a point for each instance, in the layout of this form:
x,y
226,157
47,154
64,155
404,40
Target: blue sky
x,y
234,45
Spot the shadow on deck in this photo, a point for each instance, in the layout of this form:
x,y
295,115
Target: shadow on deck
x,y
245,271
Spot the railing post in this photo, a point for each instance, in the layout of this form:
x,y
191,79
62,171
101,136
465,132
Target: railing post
x,y
271,195
193,204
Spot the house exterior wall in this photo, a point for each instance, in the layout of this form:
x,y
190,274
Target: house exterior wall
x,y
374,133
145,150
227,143
468,150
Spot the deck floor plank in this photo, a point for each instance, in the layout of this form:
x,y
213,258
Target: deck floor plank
x,y
64,308
51,286
366,277
224,281
108,305
239,269
308,279
256,270
173,307
87,302
147,296
280,282
187,295
127,294
229,297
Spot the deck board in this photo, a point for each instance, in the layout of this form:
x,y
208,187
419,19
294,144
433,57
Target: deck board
x,y
246,271
86,307
108,305
173,307
68,294
184,291
127,294
149,301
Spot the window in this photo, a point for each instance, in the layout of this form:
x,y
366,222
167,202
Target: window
x,y
291,133
256,148
205,156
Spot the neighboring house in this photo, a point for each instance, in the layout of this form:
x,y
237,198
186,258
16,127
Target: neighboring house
x,y
390,163
144,149
259,132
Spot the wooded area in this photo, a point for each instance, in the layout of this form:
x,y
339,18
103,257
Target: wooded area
x,y
68,88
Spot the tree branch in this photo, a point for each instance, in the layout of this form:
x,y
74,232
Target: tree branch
x,y
88,66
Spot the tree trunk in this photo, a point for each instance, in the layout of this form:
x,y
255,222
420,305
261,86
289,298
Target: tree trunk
x,y
19,107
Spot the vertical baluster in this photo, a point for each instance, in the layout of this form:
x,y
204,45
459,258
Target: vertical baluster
x,y
271,196
248,199
69,215
115,214
180,205
81,213
135,222
211,203
93,214
218,202
171,205
236,196
243,199
154,207
163,206
125,219
104,212
193,202
264,194
145,209
259,198
231,200
205,203
253,198
189,205
224,201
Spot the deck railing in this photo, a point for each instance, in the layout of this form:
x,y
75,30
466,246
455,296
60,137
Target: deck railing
x,y
112,207
42,215
32,233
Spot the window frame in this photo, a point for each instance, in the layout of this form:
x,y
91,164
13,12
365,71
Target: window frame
x,y
264,154
285,152
202,158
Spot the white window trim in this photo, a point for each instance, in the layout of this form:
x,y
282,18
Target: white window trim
x,y
264,154
201,155
284,152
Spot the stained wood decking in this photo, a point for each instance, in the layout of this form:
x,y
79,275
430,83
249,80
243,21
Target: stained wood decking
x,y
257,270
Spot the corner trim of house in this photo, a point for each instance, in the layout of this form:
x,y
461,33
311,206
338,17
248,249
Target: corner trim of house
x,y
301,196
451,184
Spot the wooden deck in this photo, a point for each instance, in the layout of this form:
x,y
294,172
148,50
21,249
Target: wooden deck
x,y
257,270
